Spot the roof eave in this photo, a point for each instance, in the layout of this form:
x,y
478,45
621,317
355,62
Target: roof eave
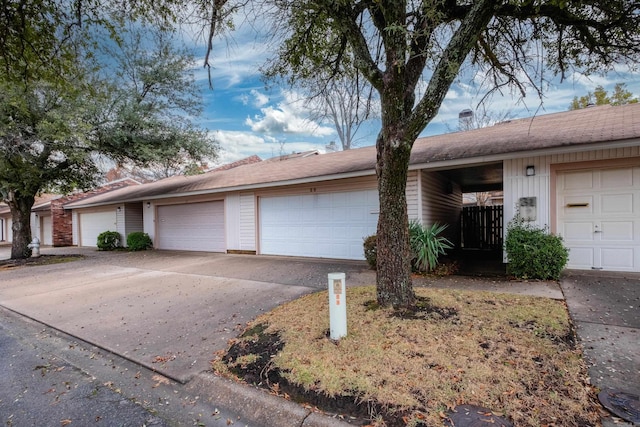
x,y
297,181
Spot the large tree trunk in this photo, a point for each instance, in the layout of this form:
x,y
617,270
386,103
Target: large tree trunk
x,y
394,287
21,216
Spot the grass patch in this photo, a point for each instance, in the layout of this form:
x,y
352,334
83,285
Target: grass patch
x,y
41,260
513,354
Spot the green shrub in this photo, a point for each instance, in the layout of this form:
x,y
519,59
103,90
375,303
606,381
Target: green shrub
x,y
427,245
138,241
108,240
371,250
533,252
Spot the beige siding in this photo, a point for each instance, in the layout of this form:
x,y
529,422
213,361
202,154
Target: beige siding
x,y
517,185
247,222
232,221
121,224
442,203
240,219
338,185
75,227
133,219
149,219
413,199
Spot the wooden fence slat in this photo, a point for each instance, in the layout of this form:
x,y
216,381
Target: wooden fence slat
x,y
482,227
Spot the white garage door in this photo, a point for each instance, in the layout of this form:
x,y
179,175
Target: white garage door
x,y
47,230
94,223
330,225
191,227
599,218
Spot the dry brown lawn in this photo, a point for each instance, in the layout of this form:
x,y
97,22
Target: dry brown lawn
x,y
516,355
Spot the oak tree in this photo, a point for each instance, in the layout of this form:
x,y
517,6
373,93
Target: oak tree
x,y
398,45
59,115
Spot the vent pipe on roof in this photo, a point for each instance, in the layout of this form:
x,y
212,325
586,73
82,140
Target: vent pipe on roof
x,y
465,119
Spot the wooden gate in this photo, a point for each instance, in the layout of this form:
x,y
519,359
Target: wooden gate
x,y
482,227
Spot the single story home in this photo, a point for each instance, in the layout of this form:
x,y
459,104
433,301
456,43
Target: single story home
x,y
52,224
575,172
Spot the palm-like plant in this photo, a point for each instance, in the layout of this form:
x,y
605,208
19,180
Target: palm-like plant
x,y
427,244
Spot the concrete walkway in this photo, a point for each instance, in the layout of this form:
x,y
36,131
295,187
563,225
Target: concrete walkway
x,y
605,307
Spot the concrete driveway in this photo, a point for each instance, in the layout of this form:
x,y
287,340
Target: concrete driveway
x,y
605,308
168,311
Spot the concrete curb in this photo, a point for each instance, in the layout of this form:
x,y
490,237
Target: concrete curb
x,y
259,407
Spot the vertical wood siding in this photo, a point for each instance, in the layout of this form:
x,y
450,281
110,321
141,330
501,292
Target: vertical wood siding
x,y
240,219
121,224
337,185
75,229
232,220
247,222
133,219
442,203
412,193
149,220
517,185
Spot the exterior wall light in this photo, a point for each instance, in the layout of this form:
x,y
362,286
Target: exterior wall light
x,y
530,170
148,205
119,208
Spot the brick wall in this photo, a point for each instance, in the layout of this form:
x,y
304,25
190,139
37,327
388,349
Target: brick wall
x,y
61,219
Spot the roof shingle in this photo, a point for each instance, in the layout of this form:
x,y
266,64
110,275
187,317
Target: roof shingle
x,y
573,128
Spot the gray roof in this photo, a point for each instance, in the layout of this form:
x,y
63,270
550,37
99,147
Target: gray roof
x,y
576,129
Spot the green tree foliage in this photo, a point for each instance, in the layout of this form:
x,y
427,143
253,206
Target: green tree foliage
x,y
60,113
411,53
620,96
146,115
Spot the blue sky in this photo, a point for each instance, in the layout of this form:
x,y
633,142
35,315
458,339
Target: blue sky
x,y
246,118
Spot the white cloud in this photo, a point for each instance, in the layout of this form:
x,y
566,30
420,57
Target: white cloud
x,y
259,99
288,117
236,145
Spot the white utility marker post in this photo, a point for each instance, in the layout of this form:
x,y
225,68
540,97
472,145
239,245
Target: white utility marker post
x,y
337,306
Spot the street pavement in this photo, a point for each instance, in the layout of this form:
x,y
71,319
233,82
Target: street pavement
x,y
145,326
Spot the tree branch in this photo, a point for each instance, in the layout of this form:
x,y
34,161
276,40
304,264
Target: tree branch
x,y
448,66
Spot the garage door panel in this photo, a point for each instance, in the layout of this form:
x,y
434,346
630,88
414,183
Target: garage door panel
x,y
617,258
578,180
605,234
617,203
615,179
619,231
330,225
578,231
581,257
94,223
192,227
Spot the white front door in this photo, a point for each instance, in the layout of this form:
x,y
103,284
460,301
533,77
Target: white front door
x,y
330,225
94,223
599,218
191,227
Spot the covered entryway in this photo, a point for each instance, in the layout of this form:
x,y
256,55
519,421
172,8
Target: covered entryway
x,y
330,225
191,227
94,223
599,217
